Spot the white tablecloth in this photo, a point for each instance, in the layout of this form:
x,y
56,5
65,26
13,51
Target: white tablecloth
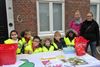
x,y
35,58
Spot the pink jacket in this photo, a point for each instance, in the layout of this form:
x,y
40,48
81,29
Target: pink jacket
x,y
73,25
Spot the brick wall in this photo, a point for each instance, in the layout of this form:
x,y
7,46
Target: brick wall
x,y
25,15
72,5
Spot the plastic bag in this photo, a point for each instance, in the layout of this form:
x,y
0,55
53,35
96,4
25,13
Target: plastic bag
x,y
80,45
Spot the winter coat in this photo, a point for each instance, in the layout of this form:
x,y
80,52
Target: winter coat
x,y
75,26
90,30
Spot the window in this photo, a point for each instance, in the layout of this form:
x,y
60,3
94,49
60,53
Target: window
x,y
57,16
44,16
99,16
95,9
50,17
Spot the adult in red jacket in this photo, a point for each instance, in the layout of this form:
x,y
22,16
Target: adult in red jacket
x,y
75,23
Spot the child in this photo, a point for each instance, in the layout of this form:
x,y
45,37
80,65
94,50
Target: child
x,y
47,45
57,40
36,44
69,38
26,42
13,37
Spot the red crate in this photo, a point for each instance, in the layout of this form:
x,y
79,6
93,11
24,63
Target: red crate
x,y
7,54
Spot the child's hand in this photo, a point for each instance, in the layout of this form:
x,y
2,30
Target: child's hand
x,y
25,44
26,52
29,52
35,44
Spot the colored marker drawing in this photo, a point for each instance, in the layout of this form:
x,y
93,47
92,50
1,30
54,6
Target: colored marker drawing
x,y
27,63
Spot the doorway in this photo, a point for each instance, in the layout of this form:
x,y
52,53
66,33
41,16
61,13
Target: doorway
x,y
3,22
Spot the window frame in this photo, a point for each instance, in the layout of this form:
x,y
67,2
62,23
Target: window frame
x,y
39,19
50,32
96,2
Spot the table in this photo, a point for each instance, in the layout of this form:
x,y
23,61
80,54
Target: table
x,y
35,58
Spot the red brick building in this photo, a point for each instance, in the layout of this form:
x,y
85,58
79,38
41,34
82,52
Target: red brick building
x,y
26,13
42,17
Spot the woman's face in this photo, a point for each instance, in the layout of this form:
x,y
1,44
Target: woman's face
x,y
89,17
36,42
77,15
14,35
47,43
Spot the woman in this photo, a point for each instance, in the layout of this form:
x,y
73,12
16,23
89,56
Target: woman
x,y
75,24
90,31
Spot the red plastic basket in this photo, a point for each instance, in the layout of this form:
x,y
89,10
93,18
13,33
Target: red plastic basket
x,y
7,54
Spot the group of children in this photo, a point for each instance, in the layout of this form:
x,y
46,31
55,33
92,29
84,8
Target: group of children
x,y
29,44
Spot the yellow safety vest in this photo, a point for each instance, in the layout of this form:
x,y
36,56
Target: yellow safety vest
x,y
46,49
28,46
68,42
55,45
10,41
37,50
